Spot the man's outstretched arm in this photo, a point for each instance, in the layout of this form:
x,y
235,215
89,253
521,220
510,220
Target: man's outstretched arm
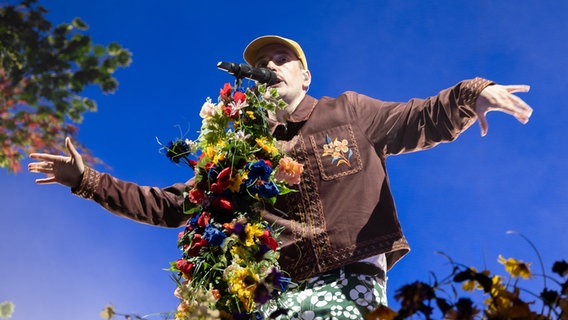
x,y
150,205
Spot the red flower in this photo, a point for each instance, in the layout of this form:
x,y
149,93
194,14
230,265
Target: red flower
x,y
231,111
196,244
223,204
268,240
184,267
239,97
226,91
203,219
196,196
209,165
268,162
223,180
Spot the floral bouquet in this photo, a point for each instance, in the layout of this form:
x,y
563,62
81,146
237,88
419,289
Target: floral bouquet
x,y
229,265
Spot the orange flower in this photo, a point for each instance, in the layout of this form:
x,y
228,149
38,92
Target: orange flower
x,y
289,170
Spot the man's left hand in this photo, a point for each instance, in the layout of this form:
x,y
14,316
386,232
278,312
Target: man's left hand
x,y
501,98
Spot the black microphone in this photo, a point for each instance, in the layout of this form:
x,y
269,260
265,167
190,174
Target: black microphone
x,y
242,70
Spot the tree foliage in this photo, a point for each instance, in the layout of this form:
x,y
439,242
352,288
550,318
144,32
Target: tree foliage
x,y
43,73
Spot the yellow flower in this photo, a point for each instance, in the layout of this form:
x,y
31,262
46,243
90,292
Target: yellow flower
x,y
238,252
219,157
497,284
243,282
236,181
497,296
108,312
516,268
210,151
250,114
470,285
267,146
252,231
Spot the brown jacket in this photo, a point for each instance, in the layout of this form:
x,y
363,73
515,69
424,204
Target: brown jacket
x,y
344,211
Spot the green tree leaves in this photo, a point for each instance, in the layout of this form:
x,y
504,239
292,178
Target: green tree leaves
x,y
43,71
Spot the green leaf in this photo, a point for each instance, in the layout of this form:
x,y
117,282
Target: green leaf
x,y
62,29
109,85
114,48
90,104
99,50
79,24
124,58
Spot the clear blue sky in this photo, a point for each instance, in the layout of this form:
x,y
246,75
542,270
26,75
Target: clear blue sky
x,y
66,258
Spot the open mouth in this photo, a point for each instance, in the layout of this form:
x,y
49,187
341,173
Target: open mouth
x,y
277,83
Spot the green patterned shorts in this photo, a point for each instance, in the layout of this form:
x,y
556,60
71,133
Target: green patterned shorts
x,y
332,297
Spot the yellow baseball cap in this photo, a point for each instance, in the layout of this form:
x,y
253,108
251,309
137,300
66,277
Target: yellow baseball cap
x,y
251,51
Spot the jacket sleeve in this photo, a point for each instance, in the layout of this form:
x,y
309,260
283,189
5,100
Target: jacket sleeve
x,y
149,205
395,127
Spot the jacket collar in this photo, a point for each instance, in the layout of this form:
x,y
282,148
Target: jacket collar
x,y
299,116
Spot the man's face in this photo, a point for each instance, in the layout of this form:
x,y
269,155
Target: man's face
x,y
294,79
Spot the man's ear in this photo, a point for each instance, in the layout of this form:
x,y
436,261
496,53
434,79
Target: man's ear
x,y
307,78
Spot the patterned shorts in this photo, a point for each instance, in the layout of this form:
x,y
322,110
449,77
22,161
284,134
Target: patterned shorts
x,y
332,297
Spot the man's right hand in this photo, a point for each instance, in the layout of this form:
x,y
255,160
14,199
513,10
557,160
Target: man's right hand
x,y
65,170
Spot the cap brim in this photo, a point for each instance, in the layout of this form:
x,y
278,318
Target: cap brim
x,y
251,51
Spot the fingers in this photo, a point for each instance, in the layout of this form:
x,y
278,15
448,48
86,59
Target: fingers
x,y
518,108
46,157
71,148
47,180
517,88
46,167
504,100
484,126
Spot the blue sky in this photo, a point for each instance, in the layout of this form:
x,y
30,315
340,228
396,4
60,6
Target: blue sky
x,y
66,258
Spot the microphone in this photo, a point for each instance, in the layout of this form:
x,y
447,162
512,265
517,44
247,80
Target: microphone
x,y
242,70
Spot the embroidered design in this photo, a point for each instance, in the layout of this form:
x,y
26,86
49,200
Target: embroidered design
x,y
338,151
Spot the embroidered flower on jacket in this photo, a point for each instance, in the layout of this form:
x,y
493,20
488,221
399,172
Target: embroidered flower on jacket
x,y
338,151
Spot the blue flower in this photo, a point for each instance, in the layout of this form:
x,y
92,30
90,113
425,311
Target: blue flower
x,y
176,150
213,235
193,221
259,170
277,280
264,189
268,190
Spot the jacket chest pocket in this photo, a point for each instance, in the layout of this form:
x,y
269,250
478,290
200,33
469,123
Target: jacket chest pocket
x,y
336,152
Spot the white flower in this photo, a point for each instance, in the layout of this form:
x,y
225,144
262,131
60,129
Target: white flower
x,y
208,109
240,135
192,145
236,107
